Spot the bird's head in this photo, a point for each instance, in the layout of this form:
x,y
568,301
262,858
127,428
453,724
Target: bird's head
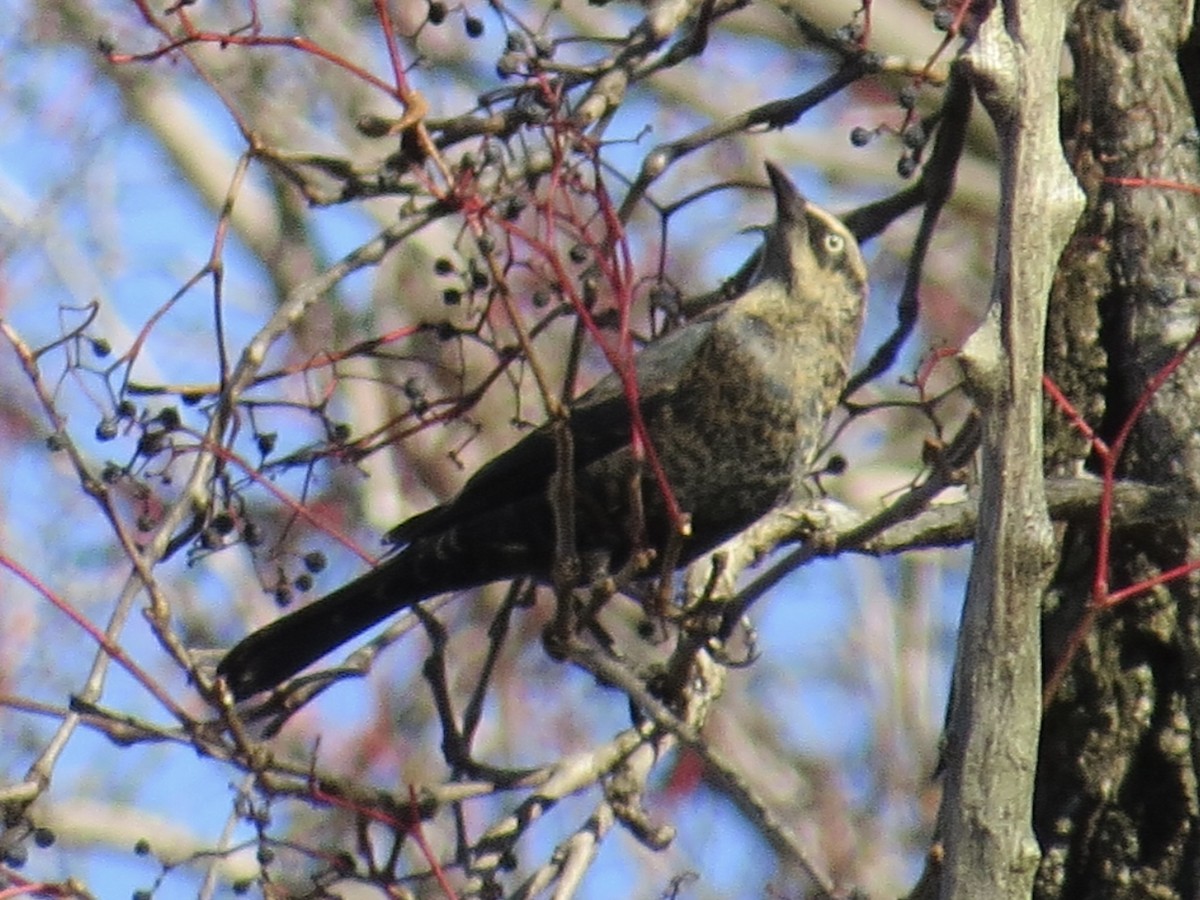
x,y
807,247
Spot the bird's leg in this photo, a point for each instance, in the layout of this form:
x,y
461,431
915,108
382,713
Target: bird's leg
x,y
708,618
658,601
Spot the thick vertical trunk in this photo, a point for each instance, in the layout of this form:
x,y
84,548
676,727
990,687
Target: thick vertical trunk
x,y
1116,802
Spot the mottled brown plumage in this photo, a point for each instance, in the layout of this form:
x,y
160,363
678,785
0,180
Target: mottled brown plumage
x,y
734,404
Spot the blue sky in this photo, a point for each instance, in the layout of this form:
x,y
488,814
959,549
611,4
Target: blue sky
x,y
92,210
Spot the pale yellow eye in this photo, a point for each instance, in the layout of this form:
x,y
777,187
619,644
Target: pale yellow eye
x,y
834,243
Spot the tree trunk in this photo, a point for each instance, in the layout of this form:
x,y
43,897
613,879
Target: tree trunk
x,y
1115,805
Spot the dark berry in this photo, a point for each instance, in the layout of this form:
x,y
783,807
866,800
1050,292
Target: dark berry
x,y
16,855
150,443
252,535
474,26
913,136
437,12
860,136
168,417
513,207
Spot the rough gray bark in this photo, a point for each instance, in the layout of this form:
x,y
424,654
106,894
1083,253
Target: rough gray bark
x,y
1116,803
985,819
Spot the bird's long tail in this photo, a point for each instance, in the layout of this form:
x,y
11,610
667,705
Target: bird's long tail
x,y
278,651
452,560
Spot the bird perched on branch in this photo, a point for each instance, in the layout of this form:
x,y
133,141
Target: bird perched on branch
x,y
733,404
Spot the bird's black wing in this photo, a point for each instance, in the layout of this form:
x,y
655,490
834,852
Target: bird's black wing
x,y
523,470
600,425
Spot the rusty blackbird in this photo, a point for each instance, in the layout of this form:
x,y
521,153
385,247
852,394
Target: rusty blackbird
x,y
734,404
